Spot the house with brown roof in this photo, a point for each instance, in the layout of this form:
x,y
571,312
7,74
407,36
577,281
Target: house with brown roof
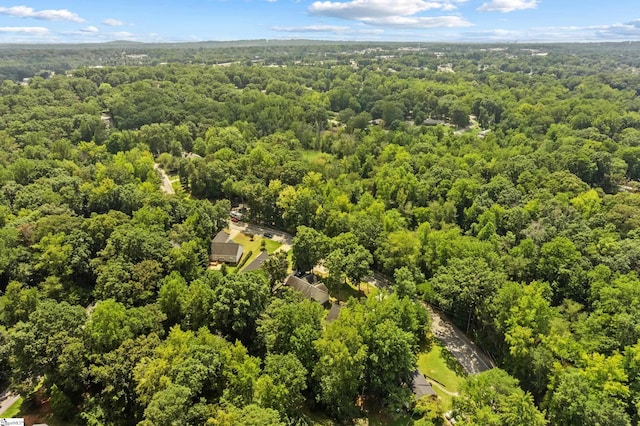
x,y
317,291
224,249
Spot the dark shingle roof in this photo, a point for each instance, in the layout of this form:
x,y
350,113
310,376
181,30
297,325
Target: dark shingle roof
x,y
318,292
420,385
257,262
222,246
224,249
221,237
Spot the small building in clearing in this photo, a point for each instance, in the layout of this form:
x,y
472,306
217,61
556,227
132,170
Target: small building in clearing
x,y
420,386
223,249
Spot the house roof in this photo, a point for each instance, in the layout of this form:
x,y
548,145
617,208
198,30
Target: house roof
x,y
221,237
223,245
257,262
224,249
420,385
318,292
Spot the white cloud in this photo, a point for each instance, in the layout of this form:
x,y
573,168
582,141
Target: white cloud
x,y
312,29
113,22
398,13
359,9
337,29
419,21
89,29
506,6
47,15
25,30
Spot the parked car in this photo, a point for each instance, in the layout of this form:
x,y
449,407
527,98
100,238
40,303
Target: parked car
x,y
268,235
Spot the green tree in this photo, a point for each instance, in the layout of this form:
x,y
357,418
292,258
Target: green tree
x,y
494,398
281,385
309,247
238,302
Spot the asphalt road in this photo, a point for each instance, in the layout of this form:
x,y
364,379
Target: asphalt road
x,y
7,399
468,354
166,183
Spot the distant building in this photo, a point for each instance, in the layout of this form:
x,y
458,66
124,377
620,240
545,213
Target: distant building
x,y
257,262
484,133
318,291
433,122
223,249
420,386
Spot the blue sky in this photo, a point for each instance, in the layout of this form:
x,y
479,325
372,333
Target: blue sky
x,y
396,20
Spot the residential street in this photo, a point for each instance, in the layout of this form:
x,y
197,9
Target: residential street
x,y
468,354
166,183
6,400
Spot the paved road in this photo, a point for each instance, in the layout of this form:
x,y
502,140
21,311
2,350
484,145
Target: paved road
x,y
166,183
7,399
468,354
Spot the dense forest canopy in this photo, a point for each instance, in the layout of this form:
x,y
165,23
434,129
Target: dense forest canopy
x,y
498,183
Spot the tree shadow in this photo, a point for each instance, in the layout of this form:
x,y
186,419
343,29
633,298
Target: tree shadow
x,y
451,362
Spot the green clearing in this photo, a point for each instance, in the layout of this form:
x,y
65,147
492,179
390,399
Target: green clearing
x,y
439,366
348,290
313,156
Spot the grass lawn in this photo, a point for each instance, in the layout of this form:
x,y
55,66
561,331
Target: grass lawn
x,y
254,246
311,155
439,366
13,410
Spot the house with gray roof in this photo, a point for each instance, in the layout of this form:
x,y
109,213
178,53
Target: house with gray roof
x,y
257,262
224,249
420,386
317,291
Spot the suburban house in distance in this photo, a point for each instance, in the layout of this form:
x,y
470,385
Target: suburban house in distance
x,y
318,291
223,249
